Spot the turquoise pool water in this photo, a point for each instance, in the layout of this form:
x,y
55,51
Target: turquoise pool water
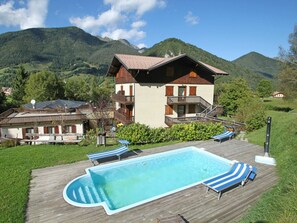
x,y
129,183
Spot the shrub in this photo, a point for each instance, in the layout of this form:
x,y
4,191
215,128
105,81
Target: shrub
x,y
139,133
10,143
252,114
195,131
135,133
277,108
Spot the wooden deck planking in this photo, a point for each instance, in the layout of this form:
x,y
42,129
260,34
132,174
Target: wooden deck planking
x,y
46,203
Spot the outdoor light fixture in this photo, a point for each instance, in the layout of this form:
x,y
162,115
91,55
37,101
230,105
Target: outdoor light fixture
x,y
33,102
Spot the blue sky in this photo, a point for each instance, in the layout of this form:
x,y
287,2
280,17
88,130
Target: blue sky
x,y
226,28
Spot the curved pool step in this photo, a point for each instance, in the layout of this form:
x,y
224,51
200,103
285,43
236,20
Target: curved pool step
x,y
85,195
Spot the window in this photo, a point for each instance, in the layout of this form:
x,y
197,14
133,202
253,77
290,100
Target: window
x,y
168,110
192,91
192,109
69,129
49,130
193,74
169,71
169,91
182,91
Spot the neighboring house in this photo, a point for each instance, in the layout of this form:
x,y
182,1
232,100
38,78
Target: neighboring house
x,y
158,91
277,94
48,118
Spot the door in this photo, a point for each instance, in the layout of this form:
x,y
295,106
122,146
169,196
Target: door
x,y
181,93
181,111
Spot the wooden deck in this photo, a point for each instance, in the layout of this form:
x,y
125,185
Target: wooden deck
x,y
46,203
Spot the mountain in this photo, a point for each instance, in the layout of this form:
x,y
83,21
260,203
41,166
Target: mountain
x,y
70,51
66,51
172,46
259,63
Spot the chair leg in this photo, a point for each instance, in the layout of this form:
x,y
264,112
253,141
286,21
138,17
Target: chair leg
x,y
219,196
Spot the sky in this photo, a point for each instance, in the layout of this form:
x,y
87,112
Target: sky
x,y
225,28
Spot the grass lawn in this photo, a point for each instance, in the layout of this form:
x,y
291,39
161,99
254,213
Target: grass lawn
x,y
16,164
280,203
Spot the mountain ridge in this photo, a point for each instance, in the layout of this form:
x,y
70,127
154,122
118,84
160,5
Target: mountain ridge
x,y
259,63
71,51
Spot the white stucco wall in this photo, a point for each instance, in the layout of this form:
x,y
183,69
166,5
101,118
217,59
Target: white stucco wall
x,y
150,101
18,132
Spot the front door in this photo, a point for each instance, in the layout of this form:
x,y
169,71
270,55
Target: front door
x,y
181,111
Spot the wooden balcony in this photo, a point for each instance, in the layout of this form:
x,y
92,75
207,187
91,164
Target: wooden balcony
x,y
121,98
187,100
121,116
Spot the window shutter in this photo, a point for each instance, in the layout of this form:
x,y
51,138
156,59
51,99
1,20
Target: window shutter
x,y
192,91
45,130
168,110
169,91
24,133
56,129
73,129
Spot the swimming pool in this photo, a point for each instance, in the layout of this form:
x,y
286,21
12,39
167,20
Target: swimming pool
x,y
125,184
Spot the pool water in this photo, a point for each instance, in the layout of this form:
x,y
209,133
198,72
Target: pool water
x,y
126,184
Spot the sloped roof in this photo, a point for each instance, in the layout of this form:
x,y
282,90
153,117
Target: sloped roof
x,y
56,104
136,62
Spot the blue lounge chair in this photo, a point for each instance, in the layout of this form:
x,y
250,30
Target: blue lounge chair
x,y
115,152
224,135
240,173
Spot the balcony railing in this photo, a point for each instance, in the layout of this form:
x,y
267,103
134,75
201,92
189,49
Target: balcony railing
x,y
122,116
187,100
121,98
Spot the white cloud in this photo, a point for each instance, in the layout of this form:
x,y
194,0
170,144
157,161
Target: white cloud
x,y
141,45
191,19
33,15
121,21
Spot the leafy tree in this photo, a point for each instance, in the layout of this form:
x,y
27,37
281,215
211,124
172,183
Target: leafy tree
x,y
264,88
234,93
2,102
288,76
42,86
252,114
77,88
18,85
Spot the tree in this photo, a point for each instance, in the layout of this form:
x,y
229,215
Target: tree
x,y
18,85
288,75
264,88
42,86
234,93
76,88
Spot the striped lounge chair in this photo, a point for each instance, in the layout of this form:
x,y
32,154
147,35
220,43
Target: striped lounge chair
x,y
224,135
100,155
239,173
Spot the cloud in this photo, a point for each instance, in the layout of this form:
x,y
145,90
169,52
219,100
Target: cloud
x,y
132,33
191,19
33,15
121,21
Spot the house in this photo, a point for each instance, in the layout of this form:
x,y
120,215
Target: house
x,y
58,120
277,94
159,91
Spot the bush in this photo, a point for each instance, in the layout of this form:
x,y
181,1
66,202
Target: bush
x,y
252,114
10,143
135,133
138,133
277,108
195,131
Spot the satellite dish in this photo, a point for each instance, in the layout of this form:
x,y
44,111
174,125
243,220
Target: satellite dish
x,y
33,103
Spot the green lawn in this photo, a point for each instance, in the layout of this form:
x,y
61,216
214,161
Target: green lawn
x,y
280,203
17,163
